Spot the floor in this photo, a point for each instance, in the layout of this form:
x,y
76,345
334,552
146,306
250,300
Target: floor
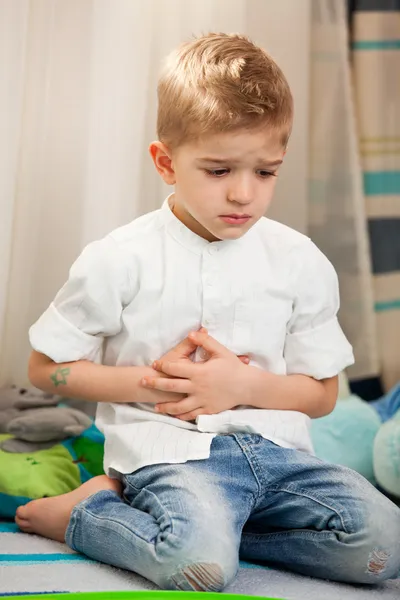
x,y
32,564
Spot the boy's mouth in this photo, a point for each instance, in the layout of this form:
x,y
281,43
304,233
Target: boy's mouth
x,y
235,219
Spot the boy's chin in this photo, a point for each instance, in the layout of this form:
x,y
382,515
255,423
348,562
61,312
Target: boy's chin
x,y
224,233
231,233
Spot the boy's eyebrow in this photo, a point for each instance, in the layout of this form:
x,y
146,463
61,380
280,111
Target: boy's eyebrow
x,y
210,159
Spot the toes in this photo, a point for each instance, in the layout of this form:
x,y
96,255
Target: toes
x,y
22,518
24,525
22,512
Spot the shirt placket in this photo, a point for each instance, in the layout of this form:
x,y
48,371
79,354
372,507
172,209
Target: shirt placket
x,y
211,282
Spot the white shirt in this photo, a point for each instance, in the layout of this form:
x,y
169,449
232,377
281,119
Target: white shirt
x,y
135,294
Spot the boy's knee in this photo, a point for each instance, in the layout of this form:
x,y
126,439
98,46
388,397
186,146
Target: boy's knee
x,y
202,577
384,553
207,571
377,552
384,543
206,562
379,563
378,566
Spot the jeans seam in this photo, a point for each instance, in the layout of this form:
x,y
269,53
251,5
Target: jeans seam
x,y
245,448
117,523
70,532
126,482
314,499
291,533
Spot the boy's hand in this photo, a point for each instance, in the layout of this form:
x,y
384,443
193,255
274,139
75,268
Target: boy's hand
x,y
182,353
211,387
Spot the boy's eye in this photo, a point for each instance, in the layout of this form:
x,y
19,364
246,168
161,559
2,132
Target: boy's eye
x,y
217,172
221,172
266,174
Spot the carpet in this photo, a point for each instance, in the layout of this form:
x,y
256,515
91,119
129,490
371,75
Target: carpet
x,y
30,564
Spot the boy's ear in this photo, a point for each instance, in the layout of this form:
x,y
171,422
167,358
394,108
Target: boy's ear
x,y
161,156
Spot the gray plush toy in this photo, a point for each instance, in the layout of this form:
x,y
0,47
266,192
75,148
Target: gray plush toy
x,y
36,420
13,400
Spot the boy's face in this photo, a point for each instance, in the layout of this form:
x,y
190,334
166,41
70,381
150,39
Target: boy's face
x,y
224,183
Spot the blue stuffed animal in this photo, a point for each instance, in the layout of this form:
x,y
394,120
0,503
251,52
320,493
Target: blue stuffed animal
x,y
364,436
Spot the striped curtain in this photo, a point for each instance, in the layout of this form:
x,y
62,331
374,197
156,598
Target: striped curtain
x,y
336,211
375,43
354,185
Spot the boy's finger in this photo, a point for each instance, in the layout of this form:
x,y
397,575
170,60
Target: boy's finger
x,y
177,408
176,368
244,359
192,415
164,384
184,349
209,344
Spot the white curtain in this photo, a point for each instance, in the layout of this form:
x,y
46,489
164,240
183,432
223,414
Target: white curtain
x,y
77,112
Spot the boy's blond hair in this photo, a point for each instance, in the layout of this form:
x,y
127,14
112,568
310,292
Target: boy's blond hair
x,y
221,82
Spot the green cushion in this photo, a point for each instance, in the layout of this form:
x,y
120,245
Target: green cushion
x,y
25,477
57,470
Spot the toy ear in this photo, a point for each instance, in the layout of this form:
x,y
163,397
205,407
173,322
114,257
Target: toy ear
x,y
74,430
82,422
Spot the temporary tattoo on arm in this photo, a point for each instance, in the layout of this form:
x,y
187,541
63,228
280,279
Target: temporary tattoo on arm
x,y
60,377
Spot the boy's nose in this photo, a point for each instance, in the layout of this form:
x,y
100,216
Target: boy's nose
x,y
242,194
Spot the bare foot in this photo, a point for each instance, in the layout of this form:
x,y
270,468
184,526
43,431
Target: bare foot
x,y
49,517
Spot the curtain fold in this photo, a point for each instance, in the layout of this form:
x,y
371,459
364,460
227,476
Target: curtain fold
x,y
13,35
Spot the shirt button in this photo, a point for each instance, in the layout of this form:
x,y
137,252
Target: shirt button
x,y
213,250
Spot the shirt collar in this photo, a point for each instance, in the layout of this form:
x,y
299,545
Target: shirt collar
x,y
188,238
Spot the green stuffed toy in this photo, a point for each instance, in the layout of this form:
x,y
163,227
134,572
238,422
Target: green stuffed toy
x,y
364,436
46,448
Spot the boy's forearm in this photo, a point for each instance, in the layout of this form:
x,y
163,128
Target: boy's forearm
x,y
86,380
291,392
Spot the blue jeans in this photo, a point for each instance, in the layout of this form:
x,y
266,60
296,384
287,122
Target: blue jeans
x,y
184,526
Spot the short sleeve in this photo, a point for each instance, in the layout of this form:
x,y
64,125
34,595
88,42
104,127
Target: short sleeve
x,y
315,343
88,307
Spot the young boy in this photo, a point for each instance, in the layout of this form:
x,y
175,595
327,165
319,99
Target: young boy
x,y
210,458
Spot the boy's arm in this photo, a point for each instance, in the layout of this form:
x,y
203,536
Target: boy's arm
x,y
86,380
223,383
315,348
291,392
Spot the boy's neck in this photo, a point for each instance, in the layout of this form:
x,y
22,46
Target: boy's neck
x,y
190,222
